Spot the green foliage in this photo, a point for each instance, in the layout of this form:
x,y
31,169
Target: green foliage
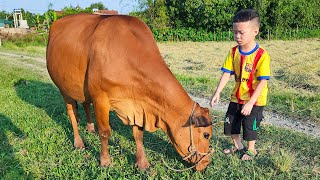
x,y
3,14
154,14
190,34
215,16
36,21
201,35
98,5
73,10
209,15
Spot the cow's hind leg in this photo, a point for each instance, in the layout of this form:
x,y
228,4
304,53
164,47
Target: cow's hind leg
x,y
141,160
101,110
73,116
90,124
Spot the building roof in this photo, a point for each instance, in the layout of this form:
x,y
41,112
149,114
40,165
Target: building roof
x,y
105,12
4,21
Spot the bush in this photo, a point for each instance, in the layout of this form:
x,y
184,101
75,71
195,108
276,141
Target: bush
x,y
27,40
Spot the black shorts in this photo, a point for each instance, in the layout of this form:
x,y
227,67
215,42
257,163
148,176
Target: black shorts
x,y
250,124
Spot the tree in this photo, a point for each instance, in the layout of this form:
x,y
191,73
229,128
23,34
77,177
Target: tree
x,y
98,5
210,15
4,14
154,13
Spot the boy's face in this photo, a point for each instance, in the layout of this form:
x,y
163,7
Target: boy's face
x,y
245,32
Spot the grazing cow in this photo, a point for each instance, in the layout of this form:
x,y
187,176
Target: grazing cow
x,y
114,63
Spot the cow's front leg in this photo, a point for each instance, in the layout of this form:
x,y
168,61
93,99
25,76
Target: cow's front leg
x,y
141,160
101,110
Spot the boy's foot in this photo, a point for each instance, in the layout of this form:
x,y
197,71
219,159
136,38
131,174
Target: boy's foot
x,y
249,155
233,150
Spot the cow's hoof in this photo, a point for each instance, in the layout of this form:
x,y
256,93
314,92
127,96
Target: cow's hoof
x,y
143,166
90,128
79,144
105,163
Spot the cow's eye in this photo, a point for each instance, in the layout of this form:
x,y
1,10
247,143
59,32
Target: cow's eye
x,y
206,135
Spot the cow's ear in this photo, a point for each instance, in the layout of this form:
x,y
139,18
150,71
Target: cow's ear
x,y
201,121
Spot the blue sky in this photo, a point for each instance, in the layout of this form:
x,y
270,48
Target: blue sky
x,y
41,6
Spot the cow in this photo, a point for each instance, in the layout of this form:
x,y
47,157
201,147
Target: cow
x,y
113,62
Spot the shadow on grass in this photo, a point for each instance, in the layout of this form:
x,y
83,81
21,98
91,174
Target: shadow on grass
x,y
10,166
47,97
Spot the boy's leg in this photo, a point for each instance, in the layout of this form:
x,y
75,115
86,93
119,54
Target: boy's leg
x,y
251,148
232,126
237,141
251,125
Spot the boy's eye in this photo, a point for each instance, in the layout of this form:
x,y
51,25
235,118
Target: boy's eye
x,y
238,32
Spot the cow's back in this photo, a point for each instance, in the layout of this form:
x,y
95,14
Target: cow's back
x,y
117,57
67,53
126,66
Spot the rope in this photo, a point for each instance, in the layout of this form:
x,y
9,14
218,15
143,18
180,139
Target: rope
x,y
186,169
193,151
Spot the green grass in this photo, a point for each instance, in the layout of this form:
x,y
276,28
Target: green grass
x,y
37,139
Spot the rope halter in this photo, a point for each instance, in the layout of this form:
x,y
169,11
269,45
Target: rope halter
x,y
192,149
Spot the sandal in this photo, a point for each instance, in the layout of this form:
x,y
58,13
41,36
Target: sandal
x,y
234,151
248,155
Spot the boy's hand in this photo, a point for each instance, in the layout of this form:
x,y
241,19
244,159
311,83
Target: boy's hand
x,y
246,109
215,99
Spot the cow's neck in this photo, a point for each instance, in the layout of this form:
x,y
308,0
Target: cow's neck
x,y
173,102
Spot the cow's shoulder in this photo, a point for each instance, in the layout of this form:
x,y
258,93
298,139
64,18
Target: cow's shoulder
x,y
75,22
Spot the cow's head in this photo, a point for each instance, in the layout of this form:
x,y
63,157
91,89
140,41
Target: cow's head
x,y
192,139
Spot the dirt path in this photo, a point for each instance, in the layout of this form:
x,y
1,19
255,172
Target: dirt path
x,y
270,118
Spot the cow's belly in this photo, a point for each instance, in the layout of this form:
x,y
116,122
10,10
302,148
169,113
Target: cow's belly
x,y
137,113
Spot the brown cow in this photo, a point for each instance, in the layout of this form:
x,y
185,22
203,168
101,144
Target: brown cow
x,y
114,62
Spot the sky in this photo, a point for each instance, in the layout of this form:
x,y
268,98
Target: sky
x,y
41,6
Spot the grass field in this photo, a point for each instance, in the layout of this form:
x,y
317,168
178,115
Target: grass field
x,y
294,88
37,141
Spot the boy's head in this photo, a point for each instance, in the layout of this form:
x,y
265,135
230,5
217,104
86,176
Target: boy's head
x,y
246,26
246,15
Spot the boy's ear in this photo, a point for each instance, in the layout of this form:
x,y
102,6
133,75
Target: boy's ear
x,y
257,32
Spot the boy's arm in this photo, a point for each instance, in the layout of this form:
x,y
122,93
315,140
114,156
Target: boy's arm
x,y
223,81
246,110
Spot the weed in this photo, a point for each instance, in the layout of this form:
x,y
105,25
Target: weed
x,y
283,160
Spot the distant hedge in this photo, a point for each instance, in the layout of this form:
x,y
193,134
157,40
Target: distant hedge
x,y
190,34
199,20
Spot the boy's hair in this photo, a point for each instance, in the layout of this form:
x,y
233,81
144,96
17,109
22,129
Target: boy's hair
x,y
245,15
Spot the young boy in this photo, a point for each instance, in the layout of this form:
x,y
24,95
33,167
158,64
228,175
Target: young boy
x,y
250,64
